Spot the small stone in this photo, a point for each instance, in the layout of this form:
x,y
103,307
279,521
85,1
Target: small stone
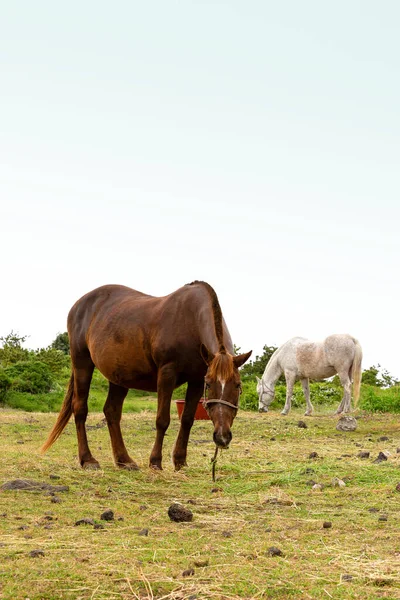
x,y
188,573
36,553
201,563
383,438
274,551
383,518
55,499
327,525
98,526
382,456
192,502
302,425
144,532
216,490
313,455
398,451
336,482
397,488
311,482
54,476
107,515
346,423
317,487
363,455
22,527
143,507
84,521
227,534
373,510
346,577
179,513
120,519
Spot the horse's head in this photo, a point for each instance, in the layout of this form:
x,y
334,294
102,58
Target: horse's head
x,y
265,395
222,391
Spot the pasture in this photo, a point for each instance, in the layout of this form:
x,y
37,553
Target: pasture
x,y
263,498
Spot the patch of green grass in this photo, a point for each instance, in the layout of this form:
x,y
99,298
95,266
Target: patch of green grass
x,y
262,497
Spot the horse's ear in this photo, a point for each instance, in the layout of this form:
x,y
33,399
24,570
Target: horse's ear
x,y
240,359
207,356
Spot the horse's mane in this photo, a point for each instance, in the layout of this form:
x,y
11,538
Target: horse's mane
x,y
221,366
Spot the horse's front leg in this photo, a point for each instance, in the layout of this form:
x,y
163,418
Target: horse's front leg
x,y
166,381
193,395
306,390
290,379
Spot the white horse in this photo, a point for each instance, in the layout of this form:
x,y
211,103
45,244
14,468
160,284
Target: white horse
x,y
301,359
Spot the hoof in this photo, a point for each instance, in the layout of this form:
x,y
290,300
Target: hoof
x,y
130,466
155,467
285,413
91,465
179,466
308,414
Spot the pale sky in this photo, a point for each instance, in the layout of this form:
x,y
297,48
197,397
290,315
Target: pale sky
x,y
251,144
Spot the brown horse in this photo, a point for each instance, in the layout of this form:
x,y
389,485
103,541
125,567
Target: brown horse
x,y
153,344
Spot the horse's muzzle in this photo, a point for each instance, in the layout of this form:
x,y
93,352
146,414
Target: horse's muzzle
x,y
222,440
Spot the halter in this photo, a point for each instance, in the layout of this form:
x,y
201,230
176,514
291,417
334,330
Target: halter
x,y
268,389
206,403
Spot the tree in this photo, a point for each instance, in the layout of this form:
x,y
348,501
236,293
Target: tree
x,y
371,377
61,343
12,350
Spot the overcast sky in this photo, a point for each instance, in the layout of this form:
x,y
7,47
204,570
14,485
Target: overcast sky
x,y
251,144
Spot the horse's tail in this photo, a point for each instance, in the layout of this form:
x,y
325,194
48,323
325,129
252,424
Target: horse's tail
x,y
356,372
63,417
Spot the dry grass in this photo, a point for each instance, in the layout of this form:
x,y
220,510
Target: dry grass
x,y
262,498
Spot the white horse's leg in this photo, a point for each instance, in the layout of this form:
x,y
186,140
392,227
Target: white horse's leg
x,y
345,405
306,390
289,392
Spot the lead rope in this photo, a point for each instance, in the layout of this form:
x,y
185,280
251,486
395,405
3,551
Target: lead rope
x,y
214,462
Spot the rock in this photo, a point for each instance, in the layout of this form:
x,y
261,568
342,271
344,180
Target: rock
x,y
144,532
327,525
227,534
383,518
373,510
216,490
346,423
98,526
317,487
346,577
54,476
55,499
336,482
84,521
382,456
313,455
201,563
274,551
302,425
383,438
397,488
398,451
36,553
32,486
363,455
188,573
179,513
143,507
107,515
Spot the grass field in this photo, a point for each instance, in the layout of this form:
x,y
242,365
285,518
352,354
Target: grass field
x,y
263,498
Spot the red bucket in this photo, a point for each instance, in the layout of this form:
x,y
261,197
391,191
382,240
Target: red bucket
x,y
200,414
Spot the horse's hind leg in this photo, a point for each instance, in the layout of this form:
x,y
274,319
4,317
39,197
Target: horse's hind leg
x,y
83,371
345,405
113,410
306,390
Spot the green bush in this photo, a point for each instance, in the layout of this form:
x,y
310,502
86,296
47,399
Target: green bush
x,y
5,384
375,399
30,376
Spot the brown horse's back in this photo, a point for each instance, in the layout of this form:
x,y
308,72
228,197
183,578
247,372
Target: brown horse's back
x,y
130,335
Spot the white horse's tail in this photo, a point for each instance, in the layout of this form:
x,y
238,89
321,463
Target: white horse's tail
x,y
356,372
